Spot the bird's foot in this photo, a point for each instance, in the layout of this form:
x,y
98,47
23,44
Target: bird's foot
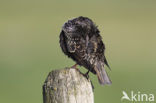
x,y
86,75
75,67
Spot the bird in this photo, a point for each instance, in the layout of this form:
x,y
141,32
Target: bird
x,y
81,41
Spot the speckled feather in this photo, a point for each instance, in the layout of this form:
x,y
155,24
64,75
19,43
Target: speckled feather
x,y
80,40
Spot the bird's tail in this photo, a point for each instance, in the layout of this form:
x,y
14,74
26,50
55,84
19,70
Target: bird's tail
x,y
101,73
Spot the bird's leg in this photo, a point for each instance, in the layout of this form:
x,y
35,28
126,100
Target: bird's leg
x,y
86,74
74,66
92,85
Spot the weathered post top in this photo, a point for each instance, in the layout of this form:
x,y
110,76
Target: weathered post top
x,y
67,86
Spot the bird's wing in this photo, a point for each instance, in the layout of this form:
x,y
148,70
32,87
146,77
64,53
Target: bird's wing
x,y
96,46
96,49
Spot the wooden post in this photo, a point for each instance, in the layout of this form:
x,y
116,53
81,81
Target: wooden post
x,y
67,86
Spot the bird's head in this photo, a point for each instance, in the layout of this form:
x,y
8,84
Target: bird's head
x,y
80,26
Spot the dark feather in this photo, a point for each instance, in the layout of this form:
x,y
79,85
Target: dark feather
x,y
80,40
105,61
101,73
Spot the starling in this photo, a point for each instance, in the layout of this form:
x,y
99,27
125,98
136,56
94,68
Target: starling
x,y
80,40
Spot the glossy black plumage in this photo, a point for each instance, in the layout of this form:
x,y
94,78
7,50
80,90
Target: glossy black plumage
x,y
80,40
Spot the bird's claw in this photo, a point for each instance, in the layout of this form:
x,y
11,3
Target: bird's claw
x,y
86,75
74,66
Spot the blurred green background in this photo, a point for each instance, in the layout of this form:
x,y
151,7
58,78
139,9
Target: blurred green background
x,y
29,45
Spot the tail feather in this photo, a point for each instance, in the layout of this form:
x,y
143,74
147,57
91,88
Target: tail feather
x,y
101,73
105,61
